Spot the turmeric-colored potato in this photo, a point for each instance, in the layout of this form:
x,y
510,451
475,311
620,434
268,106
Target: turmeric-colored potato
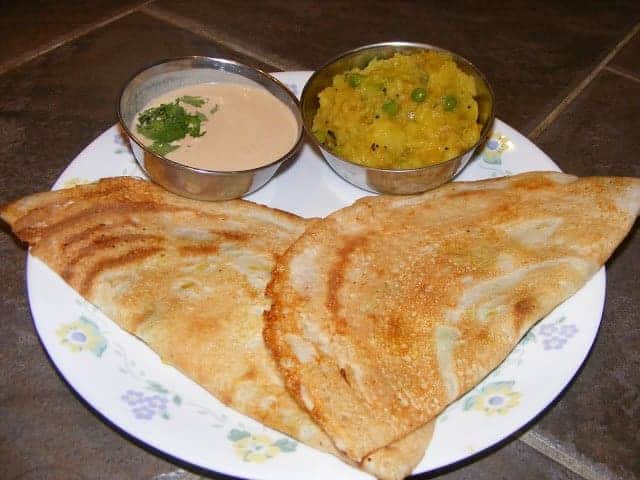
x,y
406,111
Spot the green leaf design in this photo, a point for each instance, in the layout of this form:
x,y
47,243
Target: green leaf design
x,y
156,387
235,434
492,159
286,445
529,337
508,384
468,403
177,400
165,415
100,349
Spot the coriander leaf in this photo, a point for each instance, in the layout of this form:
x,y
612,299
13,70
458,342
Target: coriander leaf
x,y
191,100
162,148
193,126
168,123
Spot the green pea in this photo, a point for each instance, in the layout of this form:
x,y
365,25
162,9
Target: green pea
x,y
419,95
390,107
449,103
355,79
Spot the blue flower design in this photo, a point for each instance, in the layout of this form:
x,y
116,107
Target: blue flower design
x,y
132,397
145,407
568,331
157,402
554,343
493,144
548,330
557,334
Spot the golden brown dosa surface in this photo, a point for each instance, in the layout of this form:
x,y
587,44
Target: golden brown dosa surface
x,y
189,279
388,310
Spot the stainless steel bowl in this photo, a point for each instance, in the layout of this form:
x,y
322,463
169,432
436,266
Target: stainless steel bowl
x,y
188,181
393,181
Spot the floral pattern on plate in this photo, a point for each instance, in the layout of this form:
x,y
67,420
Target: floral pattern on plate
x,y
145,407
82,335
151,398
258,448
493,398
491,154
556,335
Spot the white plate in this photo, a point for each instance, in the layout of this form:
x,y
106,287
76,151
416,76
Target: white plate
x,y
128,384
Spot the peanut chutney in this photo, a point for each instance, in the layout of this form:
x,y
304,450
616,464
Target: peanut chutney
x,y
407,111
222,127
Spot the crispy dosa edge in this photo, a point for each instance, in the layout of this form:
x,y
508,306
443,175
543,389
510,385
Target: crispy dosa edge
x,y
31,219
354,408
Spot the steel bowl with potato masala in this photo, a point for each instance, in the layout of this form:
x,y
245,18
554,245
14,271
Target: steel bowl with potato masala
x,y
397,117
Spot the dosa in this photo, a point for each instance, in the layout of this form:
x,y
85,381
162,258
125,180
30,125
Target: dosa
x,y
189,279
388,310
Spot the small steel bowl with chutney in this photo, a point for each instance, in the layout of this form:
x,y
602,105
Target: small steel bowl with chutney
x,y
209,128
398,117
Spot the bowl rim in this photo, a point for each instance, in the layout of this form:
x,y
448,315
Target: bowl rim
x,y
296,146
424,46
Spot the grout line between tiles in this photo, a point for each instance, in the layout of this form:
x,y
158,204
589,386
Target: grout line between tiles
x,y
555,113
586,469
622,73
66,38
210,33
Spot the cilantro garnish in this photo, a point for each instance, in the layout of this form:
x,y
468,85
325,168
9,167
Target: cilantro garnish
x,y
168,123
162,148
191,100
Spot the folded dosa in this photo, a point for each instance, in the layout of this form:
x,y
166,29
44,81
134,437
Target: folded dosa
x,y
388,310
189,279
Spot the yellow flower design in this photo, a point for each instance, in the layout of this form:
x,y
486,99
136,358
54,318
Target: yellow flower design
x,y
495,147
258,448
495,398
82,335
